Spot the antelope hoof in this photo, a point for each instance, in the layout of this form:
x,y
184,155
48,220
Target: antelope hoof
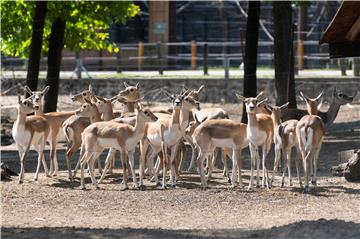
x,y
83,188
306,189
35,179
163,187
313,182
125,188
97,188
249,188
282,184
20,181
141,187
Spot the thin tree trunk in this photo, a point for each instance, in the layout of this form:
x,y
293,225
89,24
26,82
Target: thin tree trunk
x,y
54,60
35,46
251,47
292,92
282,43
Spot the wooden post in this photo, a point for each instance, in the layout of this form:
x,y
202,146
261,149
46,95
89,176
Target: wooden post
x,y
205,59
226,66
140,55
118,61
356,66
301,36
160,67
193,55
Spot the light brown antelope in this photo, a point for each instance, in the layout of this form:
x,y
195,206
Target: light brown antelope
x,y
339,98
260,132
110,134
284,139
310,132
222,133
55,120
166,133
30,131
87,114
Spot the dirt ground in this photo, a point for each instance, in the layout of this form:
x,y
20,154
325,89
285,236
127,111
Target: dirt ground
x,y
54,208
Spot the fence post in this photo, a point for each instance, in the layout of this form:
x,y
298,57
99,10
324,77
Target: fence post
x,y
160,66
226,66
193,55
205,59
140,55
356,66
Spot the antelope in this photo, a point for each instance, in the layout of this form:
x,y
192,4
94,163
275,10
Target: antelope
x,y
73,127
284,139
55,120
310,131
30,130
109,134
260,131
166,133
223,133
338,99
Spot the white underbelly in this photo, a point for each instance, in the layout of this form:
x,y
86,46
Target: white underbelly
x,y
171,138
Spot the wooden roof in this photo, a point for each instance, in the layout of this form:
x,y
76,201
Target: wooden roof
x,y
345,26
343,33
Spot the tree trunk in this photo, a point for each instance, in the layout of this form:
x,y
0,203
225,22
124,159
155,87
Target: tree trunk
x,y
251,47
56,44
282,43
292,92
35,46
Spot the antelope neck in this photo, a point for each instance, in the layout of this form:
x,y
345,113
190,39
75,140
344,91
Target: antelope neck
x,y
108,114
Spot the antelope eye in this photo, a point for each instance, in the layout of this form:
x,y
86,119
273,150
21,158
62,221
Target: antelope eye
x,y
84,94
131,90
341,95
186,99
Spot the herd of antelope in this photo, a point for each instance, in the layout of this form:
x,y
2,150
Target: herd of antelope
x,y
162,133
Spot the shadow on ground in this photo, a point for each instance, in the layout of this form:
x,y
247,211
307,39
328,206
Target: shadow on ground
x,y
305,229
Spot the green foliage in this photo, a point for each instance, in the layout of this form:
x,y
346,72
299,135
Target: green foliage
x,y
87,23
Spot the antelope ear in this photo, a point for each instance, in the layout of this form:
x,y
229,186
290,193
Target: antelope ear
x,y
320,104
168,95
240,97
284,106
261,102
303,97
19,99
320,95
114,99
268,107
186,92
137,85
45,90
200,88
126,84
28,90
260,94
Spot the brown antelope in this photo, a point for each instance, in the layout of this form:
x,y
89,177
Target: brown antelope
x,y
75,125
339,98
55,120
109,134
30,131
310,132
284,139
87,114
166,133
260,131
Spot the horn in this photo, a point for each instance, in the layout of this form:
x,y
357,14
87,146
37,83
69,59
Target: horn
x,y
19,99
126,84
137,85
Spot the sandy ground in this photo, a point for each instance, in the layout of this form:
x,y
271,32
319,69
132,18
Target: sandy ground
x,y
54,208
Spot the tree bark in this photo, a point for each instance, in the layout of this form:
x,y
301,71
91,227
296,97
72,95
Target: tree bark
x,y
56,45
35,46
250,58
282,43
292,92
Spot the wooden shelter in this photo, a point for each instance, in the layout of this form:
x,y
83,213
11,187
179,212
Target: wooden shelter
x,y
343,33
